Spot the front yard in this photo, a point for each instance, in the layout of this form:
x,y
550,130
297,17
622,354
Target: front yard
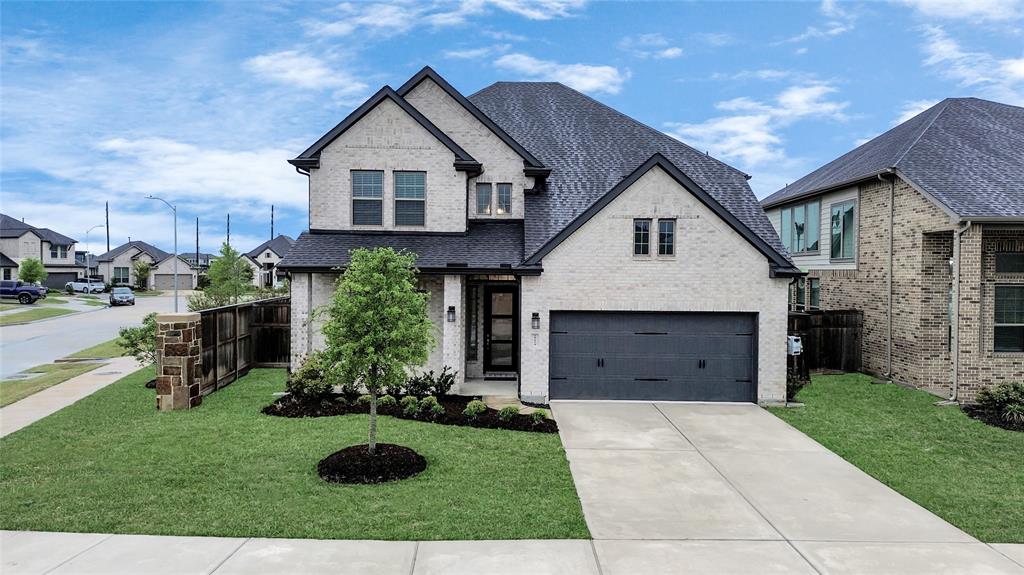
x,y
112,463
33,314
964,471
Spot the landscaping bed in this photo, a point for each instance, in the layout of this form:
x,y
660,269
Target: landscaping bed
x,y
454,405
992,419
965,471
112,463
355,464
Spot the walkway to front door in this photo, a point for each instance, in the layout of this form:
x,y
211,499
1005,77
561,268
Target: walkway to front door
x,y
730,488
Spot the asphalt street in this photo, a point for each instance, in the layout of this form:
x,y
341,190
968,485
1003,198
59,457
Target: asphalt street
x,y
29,345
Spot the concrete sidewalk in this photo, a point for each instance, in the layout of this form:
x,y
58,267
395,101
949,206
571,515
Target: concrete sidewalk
x,y
52,399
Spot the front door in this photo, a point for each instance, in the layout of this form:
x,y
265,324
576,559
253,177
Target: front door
x,y
500,344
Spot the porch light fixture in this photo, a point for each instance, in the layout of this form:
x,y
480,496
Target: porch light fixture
x,y
451,313
535,321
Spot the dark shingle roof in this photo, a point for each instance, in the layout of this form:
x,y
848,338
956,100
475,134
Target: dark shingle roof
x,y
486,245
156,253
967,153
591,147
6,262
12,228
279,245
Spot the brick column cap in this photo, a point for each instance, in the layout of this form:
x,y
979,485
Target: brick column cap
x,y
177,317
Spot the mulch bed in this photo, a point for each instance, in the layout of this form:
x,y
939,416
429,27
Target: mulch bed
x,y
293,406
355,464
984,416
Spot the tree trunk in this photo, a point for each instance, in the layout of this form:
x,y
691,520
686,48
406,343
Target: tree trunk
x,y
372,444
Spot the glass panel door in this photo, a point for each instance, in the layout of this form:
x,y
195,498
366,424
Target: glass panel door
x,y
500,328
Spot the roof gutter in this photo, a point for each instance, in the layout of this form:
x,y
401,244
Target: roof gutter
x,y
819,191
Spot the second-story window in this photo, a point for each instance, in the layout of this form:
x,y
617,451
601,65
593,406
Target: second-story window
x,y
367,198
801,227
483,199
843,233
666,237
504,205
60,252
410,198
641,237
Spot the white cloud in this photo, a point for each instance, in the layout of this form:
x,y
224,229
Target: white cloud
x,y
837,21
583,77
751,133
668,53
714,39
992,77
301,70
650,46
983,10
912,108
477,53
764,74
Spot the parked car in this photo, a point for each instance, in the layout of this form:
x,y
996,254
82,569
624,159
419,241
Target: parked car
x,y
21,291
85,285
121,296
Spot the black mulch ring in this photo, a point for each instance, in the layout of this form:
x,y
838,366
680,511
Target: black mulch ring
x,y
151,384
294,406
992,419
355,464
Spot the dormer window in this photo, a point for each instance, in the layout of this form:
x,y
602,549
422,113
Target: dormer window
x,y
410,198
483,199
504,204
367,198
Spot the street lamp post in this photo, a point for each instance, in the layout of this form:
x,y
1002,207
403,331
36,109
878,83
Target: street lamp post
x,y
175,211
87,246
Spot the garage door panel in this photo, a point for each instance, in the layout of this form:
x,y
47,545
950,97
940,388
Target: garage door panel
x,y
166,281
657,356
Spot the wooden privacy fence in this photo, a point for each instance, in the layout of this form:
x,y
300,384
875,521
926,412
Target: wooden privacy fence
x,y
237,338
831,338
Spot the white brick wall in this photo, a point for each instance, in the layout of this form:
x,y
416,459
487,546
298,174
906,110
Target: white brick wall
x,y
387,139
309,292
714,269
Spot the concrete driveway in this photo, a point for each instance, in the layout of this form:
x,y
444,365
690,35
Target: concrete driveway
x,y
730,488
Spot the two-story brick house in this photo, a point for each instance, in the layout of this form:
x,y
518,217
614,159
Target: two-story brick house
x,y
567,248
923,224
19,241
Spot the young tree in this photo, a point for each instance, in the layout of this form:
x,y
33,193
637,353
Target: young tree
x,y
230,275
141,269
31,271
140,342
377,324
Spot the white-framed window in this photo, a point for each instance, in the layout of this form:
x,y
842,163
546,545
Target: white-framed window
x,y
410,198
7,273
666,237
844,223
367,197
800,229
483,199
121,275
641,237
504,203
1009,318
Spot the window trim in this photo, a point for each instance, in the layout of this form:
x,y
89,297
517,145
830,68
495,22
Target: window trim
x,y
811,282
995,325
352,194
800,303
647,244
791,208
672,244
497,199
114,275
396,199
856,223
490,199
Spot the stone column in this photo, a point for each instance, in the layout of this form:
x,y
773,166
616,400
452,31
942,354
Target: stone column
x,y
179,355
454,333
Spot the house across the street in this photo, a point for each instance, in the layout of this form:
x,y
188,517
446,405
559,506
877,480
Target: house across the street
x,y
266,256
19,241
117,267
923,224
566,247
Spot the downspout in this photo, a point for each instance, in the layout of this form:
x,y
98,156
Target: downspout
x,y
954,391
892,218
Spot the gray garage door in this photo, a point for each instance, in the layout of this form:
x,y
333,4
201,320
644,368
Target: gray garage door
x,y
166,281
662,356
57,280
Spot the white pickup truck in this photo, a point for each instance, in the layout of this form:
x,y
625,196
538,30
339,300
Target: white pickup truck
x,y
85,285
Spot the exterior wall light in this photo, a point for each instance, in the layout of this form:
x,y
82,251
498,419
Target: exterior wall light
x,y
535,321
451,313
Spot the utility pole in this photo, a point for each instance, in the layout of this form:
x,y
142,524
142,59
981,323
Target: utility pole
x,y
229,229
271,221
197,242
107,207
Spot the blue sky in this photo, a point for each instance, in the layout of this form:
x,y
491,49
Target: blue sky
x,y
202,103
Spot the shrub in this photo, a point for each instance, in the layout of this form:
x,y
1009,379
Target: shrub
x,y
474,409
444,382
313,378
364,400
140,342
387,401
794,383
1004,401
507,413
429,407
419,385
410,405
394,389
538,416
67,289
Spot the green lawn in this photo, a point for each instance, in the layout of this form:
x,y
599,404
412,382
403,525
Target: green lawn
x,y
49,300
33,314
112,463
53,373
964,471
148,293
105,350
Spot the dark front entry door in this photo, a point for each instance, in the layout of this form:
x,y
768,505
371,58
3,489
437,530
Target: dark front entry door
x,y
500,344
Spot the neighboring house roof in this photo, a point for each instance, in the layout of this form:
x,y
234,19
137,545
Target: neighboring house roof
x,y
534,167
591,148
13,228
279,245
154,252
967,154
311,157
80,258
168,258
487,245
6,262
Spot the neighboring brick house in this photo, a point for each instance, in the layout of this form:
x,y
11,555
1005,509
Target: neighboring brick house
x,y
117,267
266,257
19,241
945,190
567,248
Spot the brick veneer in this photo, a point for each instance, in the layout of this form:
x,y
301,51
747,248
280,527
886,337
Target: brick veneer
x,y
179,369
